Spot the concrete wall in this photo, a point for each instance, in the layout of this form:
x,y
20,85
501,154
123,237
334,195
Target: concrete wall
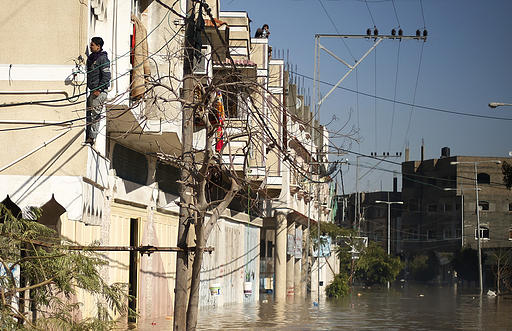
x,y
234,261
434,215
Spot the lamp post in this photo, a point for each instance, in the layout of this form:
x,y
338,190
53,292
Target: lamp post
x,y
494,105
389,203
478,236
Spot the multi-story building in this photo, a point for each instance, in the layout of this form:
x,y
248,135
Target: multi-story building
x,y
440,211
122,191
373,217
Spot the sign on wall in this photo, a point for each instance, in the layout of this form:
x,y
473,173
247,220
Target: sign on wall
x,y
298,243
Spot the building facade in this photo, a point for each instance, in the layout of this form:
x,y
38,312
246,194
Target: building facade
x,y
121,191
440,211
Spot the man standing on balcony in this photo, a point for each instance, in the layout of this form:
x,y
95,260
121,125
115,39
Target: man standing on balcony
x,y
98,82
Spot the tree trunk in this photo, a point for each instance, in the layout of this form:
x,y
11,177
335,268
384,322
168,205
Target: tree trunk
x,y
193,302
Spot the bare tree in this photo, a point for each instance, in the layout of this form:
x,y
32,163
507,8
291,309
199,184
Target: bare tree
x,y
502,267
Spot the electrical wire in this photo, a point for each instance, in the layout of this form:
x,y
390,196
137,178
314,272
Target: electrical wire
x,y
414,95
336,28
370,12
4,105
375,101
423,14
441,110
394,96
396,14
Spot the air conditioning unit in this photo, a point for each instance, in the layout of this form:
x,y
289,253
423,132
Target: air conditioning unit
x,y
203,65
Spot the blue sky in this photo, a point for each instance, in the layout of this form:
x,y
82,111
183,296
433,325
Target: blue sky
x,y
465,64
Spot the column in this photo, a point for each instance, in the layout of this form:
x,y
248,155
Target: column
x,y
298,261
280,257
305,260
290,261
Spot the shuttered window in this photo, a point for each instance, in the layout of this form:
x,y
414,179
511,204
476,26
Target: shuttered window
x,y
130,165
167,177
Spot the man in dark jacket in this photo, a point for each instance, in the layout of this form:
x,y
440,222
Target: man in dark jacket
x,y
98,82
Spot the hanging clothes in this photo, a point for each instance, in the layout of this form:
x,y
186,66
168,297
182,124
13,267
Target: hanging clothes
x,y
220,128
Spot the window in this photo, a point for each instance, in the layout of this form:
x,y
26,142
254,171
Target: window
x,y
269,248
509,234
167,177
484,233
483,178
447,207
130,165
483,205
262,248
447,233
235,103
510,207
432,207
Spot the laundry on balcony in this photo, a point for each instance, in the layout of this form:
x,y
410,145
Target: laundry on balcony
x,y
139,58
220,127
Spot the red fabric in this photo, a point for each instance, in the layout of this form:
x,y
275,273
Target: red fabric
x,y
220,128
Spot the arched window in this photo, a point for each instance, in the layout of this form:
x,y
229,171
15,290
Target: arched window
x,y
483,178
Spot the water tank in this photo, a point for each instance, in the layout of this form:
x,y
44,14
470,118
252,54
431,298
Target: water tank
x,y
445,152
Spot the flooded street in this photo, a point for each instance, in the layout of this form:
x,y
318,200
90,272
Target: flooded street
x,y
408,308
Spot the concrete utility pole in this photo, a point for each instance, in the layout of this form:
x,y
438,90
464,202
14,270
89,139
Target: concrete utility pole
x,y
478,234
183,263
389,203
357,202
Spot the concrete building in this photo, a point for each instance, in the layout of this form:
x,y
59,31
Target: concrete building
x,y
121,191
373,220
440,210
280,164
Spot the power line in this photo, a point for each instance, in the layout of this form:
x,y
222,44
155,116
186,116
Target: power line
x,y
441,110
422,14
375,101
336,28
414,95
396,14
394,96
370,12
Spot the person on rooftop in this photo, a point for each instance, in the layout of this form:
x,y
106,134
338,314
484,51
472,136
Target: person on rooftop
x,y
266,32
262,32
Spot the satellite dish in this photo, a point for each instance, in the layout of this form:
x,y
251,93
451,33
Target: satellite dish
x,y
510,153
298,103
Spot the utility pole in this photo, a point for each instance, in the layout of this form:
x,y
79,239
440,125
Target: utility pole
x,y
478,234
389,203
357,203
186,216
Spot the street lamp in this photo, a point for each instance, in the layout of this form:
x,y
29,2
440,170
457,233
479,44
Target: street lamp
x,y
498,104
389,203
475,163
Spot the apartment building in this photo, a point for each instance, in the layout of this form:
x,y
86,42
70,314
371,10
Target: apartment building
x,y
441,197
122,191
373,216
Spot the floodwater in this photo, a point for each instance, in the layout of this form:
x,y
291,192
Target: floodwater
x,y
403,308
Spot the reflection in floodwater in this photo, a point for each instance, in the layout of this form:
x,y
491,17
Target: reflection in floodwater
x,y
407,308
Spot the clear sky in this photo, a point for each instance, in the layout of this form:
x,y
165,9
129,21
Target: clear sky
x,y
465,64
